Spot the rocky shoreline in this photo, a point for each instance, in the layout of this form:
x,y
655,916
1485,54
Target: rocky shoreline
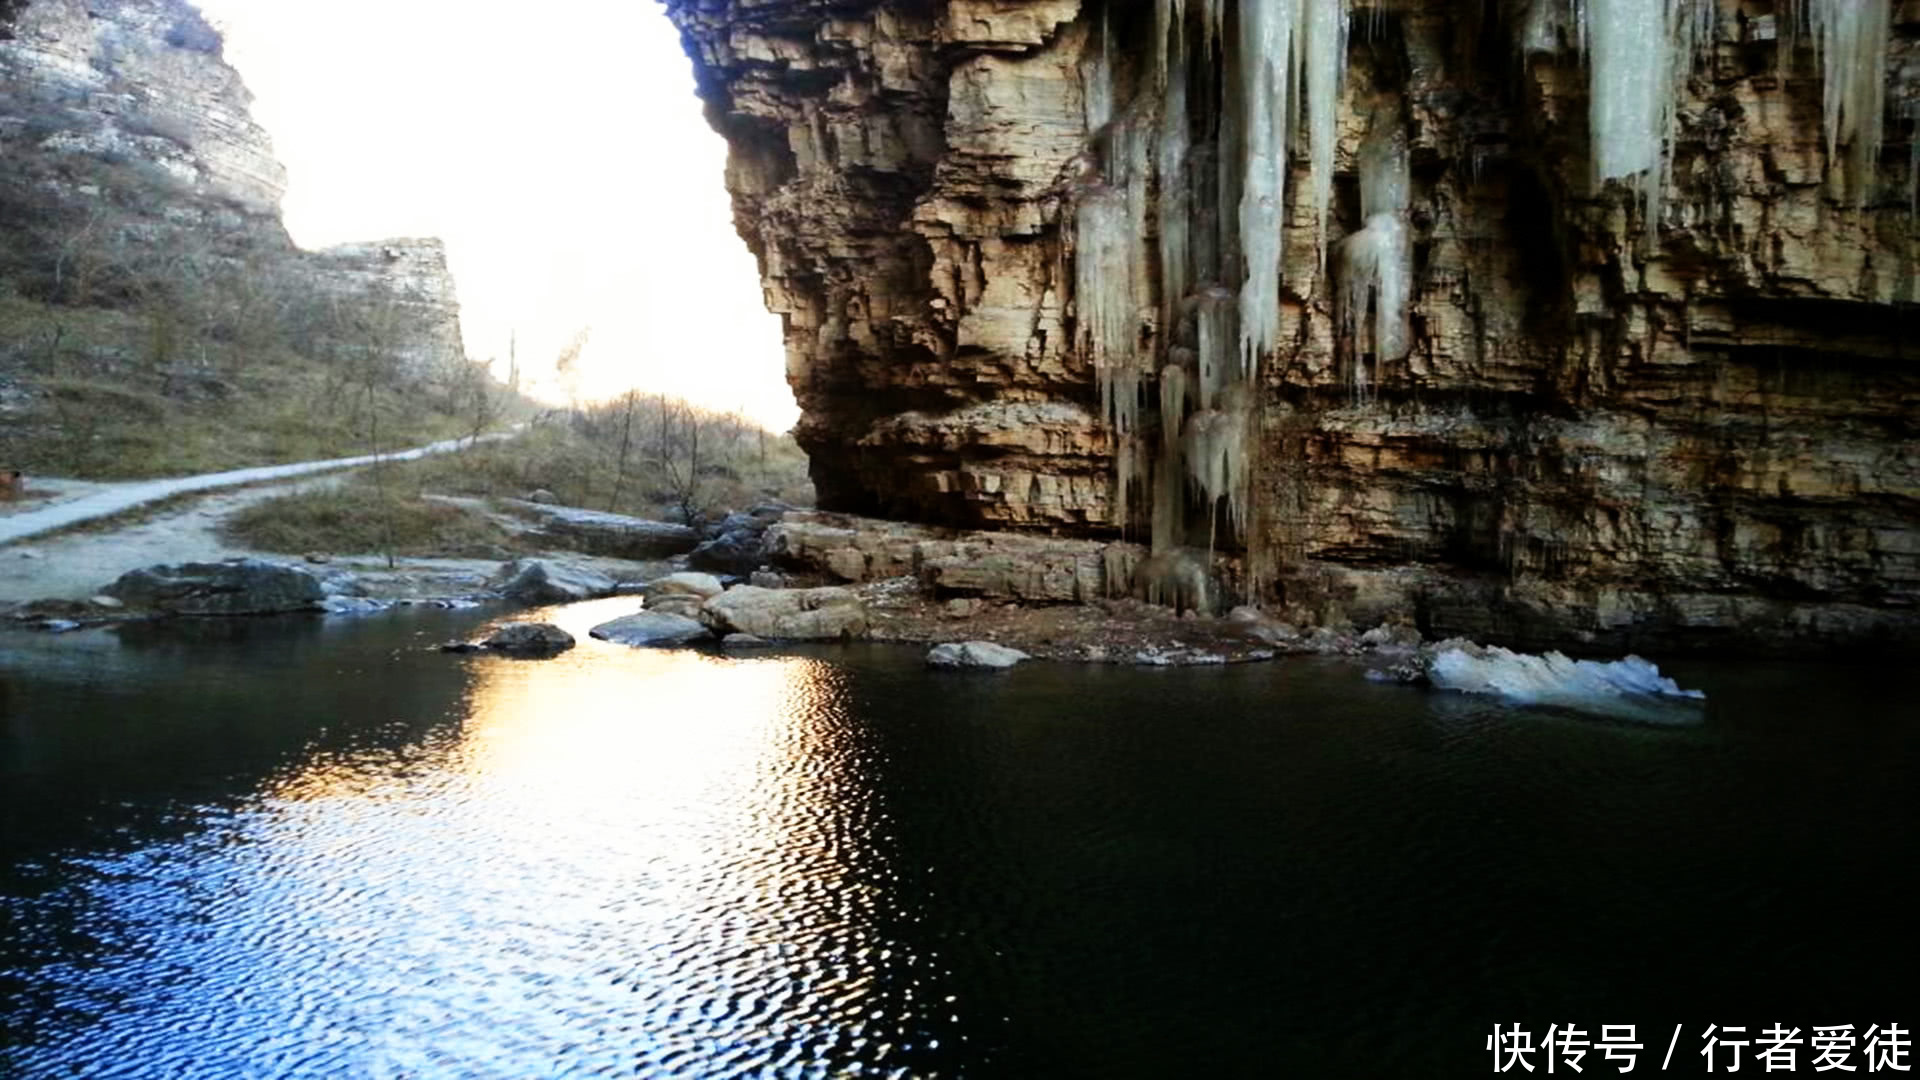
x,y
779,575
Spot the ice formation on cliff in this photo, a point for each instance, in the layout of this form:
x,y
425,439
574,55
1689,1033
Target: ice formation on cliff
x,y
1376,263
1180,222
1850,37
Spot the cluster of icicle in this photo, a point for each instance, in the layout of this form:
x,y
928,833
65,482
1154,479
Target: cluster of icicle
x,y
1640,53
1220,253
1632,688
1288,67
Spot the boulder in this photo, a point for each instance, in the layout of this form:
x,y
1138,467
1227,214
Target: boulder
x,y
744,641
685,583
974,654
529,639
234,587
736,545
549,581
613,535
650,629
787,614
685,605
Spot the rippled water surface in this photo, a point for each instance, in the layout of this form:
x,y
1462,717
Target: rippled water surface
x,y
319,849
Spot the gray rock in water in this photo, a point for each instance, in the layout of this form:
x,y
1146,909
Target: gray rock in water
x,y
542,496
974,654
744,641
529,639
787,614
235,587
650,629
549,581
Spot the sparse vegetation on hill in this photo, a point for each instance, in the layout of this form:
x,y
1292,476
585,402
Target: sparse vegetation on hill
x,y
644,455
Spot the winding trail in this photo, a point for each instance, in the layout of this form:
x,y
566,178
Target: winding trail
x,y
112,499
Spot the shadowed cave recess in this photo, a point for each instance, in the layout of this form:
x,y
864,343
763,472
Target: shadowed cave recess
x,y
1549,323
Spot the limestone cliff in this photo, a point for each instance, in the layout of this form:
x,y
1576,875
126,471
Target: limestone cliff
x,y
1665,400
130,164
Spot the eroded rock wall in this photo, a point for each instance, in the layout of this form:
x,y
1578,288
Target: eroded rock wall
x,y
1700,438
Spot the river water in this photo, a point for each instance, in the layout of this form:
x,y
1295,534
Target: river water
x,y
317,848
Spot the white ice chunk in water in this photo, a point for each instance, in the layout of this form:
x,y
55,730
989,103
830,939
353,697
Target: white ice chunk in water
x,y
1631,687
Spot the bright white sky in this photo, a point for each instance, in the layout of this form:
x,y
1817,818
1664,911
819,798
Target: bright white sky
x,y
560,152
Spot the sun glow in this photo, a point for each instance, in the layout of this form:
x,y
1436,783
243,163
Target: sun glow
x,y
564,160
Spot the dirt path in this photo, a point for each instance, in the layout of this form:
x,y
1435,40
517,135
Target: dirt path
x,y
75,565
79,502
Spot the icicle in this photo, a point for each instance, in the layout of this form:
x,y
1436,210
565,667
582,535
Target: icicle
x,y
1631,56
1851,38
1173,400
1167,490
1218,344
1545,24
1325,67
1176,201
1266,39
1640,53
1376,263
1215,448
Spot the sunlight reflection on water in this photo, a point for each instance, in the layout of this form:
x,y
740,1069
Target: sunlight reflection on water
x,y
655,861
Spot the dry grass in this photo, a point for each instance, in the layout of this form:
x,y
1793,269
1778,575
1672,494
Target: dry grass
x,y
85,399
358,518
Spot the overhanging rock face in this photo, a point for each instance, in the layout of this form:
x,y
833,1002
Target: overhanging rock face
x,y
1652,382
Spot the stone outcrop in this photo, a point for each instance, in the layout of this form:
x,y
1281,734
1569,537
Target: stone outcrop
x,y
786,614
550,581
528,639
1698,432
235,587
1000,566
614,535
134,172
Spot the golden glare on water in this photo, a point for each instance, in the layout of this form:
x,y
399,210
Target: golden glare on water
x,y
698,830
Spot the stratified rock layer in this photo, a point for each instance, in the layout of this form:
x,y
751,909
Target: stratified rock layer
x,y
1706,439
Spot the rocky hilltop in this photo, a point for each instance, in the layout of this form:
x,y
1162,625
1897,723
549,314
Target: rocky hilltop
x,y
129,161
1523,318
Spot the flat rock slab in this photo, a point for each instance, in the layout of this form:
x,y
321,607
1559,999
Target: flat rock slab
x,y
974,654
650,629
234,587
614,535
